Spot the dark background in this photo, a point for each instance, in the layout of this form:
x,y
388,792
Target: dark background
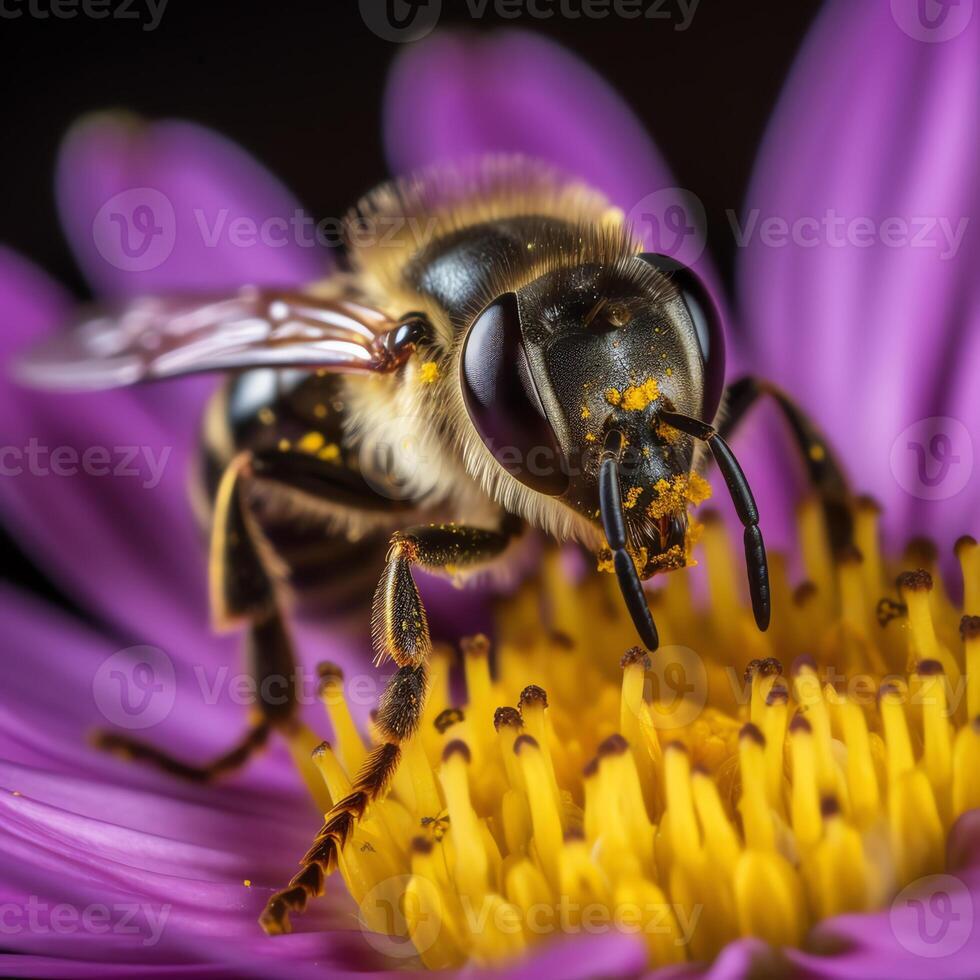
x,y
299,85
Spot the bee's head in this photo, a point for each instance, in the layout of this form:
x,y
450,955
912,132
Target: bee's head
x,y
548,371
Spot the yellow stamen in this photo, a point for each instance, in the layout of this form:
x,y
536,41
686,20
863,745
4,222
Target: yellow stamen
x,y
690,807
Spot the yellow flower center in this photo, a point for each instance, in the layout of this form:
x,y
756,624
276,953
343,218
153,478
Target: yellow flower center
x,y
732,784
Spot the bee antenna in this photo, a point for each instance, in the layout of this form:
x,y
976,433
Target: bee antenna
x,y
756,564
614,527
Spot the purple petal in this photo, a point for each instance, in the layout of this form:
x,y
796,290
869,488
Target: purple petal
x,y
95,486
930,929
172,205
858,295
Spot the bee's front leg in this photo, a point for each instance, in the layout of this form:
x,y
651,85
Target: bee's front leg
x,y
399,624
401,631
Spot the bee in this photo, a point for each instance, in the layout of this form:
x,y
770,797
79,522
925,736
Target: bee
x,y
549,373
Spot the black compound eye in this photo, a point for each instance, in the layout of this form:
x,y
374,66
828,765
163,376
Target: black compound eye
x,y
503,403
707,325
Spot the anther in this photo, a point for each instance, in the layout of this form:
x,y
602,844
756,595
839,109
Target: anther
x,y
803,662
507,717
829,807
800,724
475,646
969,627
421,845
752,732
928,668
533,696
917,581
456,747
524,741
615,744
447,718
635,655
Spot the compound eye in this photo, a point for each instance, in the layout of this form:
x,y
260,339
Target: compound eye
x,y
707,326
503,403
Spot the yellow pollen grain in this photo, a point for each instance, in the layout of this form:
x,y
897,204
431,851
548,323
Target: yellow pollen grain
x,y
311,442
247,882
590,437
719,815
428,373
320,411
285,445
698,489
635,398
329,453
585,412
266,415
632,496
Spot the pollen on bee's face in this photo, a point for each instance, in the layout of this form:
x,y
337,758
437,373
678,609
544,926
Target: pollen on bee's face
x,y
732,784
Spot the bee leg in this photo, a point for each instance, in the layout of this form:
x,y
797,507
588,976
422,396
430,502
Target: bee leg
x,y
823,469
399,714
401,631
242,588
398,622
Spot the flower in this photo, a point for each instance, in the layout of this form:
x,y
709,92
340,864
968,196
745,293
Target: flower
x,y
89,841
714,796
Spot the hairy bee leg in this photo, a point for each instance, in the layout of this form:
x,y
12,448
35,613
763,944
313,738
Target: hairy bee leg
x,y
823,469
401,631
399,625
399,714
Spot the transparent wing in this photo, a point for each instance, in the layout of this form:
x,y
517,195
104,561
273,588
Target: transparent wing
x,y
150,338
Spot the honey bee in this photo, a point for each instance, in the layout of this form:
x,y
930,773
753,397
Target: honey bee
x,y
507,325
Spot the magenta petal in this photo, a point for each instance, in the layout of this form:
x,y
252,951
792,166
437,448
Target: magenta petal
x,y
458,96
173,205
858,294
929,931
95,486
